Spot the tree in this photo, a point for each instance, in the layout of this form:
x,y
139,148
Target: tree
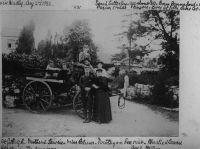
x,y
153,25
164,25
26,41
119,56
45,47
133,30
75,36
59,47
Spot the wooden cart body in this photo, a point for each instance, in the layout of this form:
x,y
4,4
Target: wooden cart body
x,y
41,93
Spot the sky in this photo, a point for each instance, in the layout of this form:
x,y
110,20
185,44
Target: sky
x,y
104,25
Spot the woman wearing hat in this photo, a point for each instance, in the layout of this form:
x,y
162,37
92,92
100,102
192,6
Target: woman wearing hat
x,y
102,108
100,66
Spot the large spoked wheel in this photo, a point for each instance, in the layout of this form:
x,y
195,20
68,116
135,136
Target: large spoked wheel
x,y
121,101
37,96
77,104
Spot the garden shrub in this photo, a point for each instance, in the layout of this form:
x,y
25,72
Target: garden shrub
x,y
162,96
15,63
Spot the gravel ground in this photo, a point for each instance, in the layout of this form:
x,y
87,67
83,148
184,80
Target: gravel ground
x,y
134,120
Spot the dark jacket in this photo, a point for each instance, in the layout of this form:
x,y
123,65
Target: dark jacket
x,y
102,83
85,81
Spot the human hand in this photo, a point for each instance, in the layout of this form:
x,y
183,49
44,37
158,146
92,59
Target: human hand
x,y
95,86
87,89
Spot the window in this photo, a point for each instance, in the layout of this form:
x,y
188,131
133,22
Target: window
x,y
9,45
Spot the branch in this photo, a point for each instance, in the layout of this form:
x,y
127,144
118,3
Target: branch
x,y
172,24
161,23
149,43
119,34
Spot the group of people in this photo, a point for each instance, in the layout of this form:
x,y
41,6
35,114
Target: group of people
x,y
94,89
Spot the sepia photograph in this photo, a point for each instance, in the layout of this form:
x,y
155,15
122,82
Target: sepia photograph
x,y
90,73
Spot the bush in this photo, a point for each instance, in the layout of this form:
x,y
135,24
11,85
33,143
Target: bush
x,y
118,82
152,78
15,63
161,96
160,93
13,87
133,78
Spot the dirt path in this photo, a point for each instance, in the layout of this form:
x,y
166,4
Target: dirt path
x,y
134,120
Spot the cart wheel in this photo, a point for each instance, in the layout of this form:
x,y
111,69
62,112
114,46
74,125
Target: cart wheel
x,y
121,101
77,104
37,96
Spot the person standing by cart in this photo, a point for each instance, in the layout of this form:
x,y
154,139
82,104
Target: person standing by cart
x,y
51,67
85,84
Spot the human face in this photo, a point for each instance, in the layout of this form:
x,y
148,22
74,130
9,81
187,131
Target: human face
x,y
99,73
51,64
64,66
99,65
86,62
87,71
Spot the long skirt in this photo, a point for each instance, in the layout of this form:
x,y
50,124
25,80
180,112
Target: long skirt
x,y
102,108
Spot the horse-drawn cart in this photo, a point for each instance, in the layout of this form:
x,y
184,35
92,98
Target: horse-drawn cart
x,y
41,93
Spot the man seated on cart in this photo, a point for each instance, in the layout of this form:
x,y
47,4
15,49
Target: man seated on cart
x,y
51,66
65,72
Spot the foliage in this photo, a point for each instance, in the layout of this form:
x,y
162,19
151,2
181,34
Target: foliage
x,y
26,42
161,96
77,35
164,25
154,25
44,48
119,56
15,63
70,44
147,78
132,34
52,49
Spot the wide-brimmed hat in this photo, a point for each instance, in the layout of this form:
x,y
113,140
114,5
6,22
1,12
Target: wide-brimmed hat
x,y
100,62
99,70
85,59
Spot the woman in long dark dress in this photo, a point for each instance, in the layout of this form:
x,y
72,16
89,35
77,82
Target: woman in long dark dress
x,y
102,112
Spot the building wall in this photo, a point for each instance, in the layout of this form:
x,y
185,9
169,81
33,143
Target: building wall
x,y
8,44
9,37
